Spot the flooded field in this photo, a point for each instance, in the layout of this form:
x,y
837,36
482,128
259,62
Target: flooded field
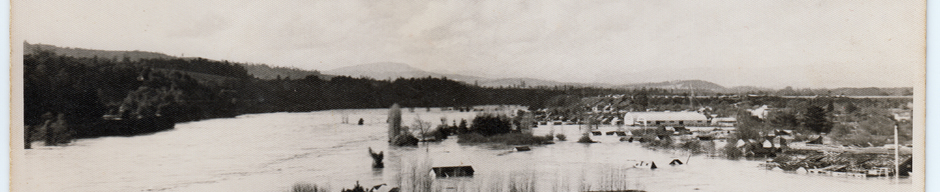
x,y
272,152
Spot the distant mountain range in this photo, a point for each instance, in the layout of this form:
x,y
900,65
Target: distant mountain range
x,y
385,71
396,70
391,71
683,84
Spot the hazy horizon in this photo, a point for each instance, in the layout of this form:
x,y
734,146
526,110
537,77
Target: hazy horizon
x,y
804,44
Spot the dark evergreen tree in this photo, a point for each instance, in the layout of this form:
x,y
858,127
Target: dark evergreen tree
x,y
784,119
850,108
816,120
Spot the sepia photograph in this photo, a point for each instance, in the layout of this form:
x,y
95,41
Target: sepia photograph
x,y
467,96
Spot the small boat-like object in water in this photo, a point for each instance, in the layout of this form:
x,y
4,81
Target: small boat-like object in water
x,y
675,161
452,171
645,165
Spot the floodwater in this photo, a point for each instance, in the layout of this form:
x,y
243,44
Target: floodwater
x,y
272,152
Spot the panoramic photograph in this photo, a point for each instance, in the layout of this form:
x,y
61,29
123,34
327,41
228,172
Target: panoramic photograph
x,y
481,96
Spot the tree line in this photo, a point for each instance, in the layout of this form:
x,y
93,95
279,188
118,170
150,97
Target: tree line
x,y
91,94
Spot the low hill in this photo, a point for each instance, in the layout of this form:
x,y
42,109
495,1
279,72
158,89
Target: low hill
x,y
746,89
874,91
91,53
260,71
681,84
203,69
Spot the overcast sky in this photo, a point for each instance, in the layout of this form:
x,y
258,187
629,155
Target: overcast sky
x,y
768,43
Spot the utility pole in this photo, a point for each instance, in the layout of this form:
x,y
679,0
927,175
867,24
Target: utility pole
x,y
692,91
897,163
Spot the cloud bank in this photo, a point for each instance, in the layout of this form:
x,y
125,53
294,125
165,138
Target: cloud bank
x,y
804,43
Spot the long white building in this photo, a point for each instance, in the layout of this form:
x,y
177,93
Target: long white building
x,y
684,118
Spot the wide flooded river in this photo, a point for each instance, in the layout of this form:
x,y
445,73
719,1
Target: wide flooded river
x,y
272,152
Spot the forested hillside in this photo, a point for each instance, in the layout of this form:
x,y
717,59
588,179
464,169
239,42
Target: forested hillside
x,y
260,71
91,94
263,71
93,53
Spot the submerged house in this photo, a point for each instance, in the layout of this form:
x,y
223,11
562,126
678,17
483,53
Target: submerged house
x,y
667,118
724,121
452,171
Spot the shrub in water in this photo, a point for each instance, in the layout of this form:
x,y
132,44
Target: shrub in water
x,y
731,151
405,139
648,138
439,133
462,128
665,142
545,139
561,137
356,188
306,187
491,124
585,139
471,138
693,146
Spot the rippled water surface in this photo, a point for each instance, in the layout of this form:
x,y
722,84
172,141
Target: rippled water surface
x,y
271,152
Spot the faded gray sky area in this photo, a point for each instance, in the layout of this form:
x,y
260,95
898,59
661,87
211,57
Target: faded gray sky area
x,y
768,43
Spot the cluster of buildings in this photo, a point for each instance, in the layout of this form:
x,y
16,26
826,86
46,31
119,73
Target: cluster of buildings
x,y
680,118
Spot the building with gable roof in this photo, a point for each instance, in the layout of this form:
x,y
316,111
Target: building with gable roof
x,y
667,118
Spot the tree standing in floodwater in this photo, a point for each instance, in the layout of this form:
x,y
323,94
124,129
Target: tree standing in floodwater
x,y
27,136
394,121
49,134
376,159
